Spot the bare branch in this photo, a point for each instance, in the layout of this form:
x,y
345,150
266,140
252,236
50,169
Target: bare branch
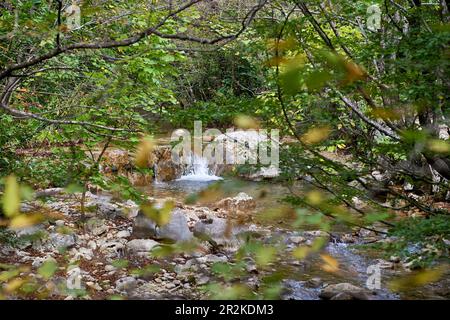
x,y
363,117
136,38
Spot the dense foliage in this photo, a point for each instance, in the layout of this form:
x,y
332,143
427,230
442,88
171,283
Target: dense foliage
x,y
367,105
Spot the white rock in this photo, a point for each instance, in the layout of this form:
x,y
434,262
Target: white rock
x,y
126,284
297,239
241,202
94,285
123,234
109,268
59,223
141,245
92,244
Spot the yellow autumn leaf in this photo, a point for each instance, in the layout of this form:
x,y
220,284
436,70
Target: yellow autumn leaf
x,y
417,279
385,113
265,255
165,214
160,216
25,220
330,264
246,122
353,72
11,197
439,146
13,285
144,149
9,274
301,253
281,44
314,197
319,243
276,61
316,135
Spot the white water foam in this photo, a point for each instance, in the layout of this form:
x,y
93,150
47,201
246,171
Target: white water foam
x,y
198,170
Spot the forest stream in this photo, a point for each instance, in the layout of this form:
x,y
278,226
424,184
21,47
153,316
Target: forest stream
x,y
225,150
310,278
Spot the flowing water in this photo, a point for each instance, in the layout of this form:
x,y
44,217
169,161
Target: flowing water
x,y
198,170
352,263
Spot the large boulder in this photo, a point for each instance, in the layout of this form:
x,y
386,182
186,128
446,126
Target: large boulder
x,y
176,230
165,168
244,146
218,231
62,241
141,246
344,291
241,202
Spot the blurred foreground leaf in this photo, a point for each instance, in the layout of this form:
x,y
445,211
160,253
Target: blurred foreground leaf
x,y
418,279
143,152
11,197
47,269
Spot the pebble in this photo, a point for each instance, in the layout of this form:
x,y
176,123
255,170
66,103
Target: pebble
x,y
59,223
123,234
109,268
170,285
94,285
297,239
202,280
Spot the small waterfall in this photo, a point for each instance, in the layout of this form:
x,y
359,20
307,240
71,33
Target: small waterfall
x,y
198,170
155,170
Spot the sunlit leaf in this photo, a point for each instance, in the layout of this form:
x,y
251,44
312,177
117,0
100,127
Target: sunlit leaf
x,y
317,79
319,243
354,72
314,197
276,61
160,216
163,251
48,268
143,152
417,279
14,285
246,122
282,44
25,220
439,146
26,192
316,135
330,264
11,197
6,275
265,255
301,253
233,292
385,113
165,213
373,217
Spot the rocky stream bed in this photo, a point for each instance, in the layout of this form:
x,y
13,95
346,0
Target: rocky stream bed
x,y
109,253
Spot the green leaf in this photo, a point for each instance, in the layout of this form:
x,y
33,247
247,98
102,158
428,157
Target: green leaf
x,y
48,269
121,263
